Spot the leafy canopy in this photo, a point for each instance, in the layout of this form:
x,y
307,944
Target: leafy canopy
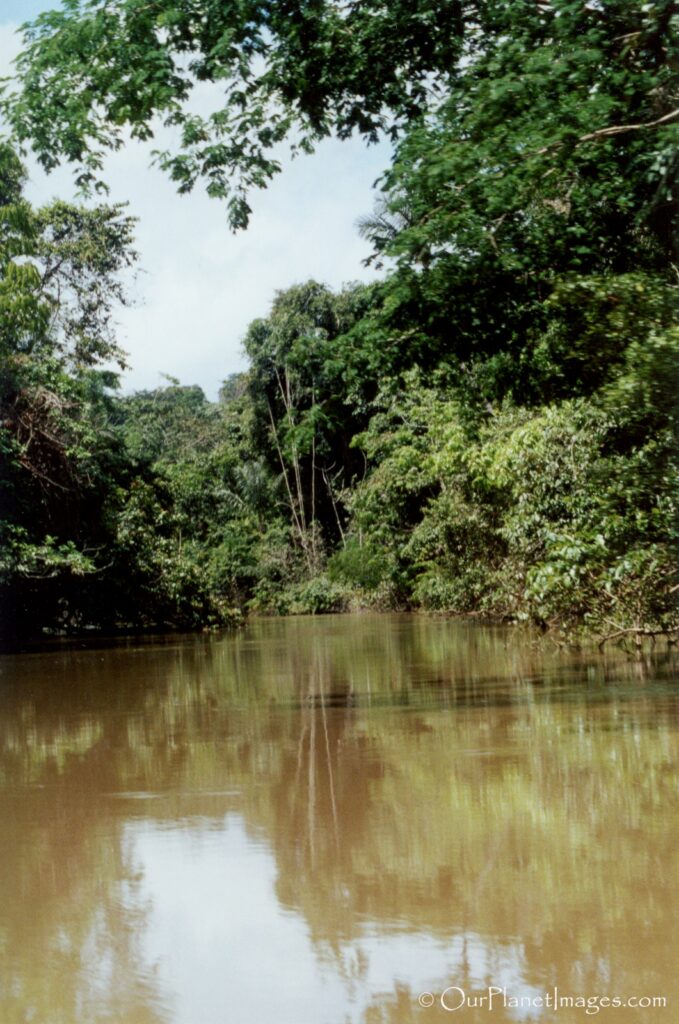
x,y
295,70
300,70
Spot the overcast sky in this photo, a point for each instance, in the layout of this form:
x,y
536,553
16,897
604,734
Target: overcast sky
x,y
201,285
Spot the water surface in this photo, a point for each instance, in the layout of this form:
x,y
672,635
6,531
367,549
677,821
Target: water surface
x,y
319,820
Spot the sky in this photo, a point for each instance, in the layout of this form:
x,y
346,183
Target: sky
x,y
199,285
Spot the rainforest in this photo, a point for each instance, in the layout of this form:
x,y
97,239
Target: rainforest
x,y
490,428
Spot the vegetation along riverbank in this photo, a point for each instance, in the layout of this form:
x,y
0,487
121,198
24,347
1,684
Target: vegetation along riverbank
x,y
492,427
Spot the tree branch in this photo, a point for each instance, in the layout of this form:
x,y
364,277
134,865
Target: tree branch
x,y
617,129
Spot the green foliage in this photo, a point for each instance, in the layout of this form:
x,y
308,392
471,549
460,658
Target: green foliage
x,y
198,532
539,200
296,71
533,85
557,515
59,281
316,597
358,565
310,393
493,428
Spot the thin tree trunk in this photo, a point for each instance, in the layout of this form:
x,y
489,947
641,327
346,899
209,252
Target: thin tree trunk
x,y
313,483
334,505
287,403
291,499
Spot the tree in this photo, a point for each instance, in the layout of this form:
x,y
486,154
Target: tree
x,y
304,386
296,71
493,427
303,69
552,158
60,273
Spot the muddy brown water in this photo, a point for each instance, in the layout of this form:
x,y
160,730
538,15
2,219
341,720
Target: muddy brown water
x,y
377,819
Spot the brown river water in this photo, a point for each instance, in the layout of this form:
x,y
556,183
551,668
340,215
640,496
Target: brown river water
x,y
370,819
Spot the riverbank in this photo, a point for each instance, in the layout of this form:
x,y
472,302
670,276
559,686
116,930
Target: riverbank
x,y
321,598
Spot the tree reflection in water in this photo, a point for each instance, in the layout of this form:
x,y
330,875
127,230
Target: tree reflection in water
x,y
319,818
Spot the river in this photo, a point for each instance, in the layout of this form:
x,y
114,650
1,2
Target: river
x,y
361,819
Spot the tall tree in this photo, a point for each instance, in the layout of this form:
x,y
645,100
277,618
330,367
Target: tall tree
x,y
308,377
547,175
60,279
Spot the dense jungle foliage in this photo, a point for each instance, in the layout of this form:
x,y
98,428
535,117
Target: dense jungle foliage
x,y
492,428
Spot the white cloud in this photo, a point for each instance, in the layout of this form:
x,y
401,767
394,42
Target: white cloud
x,y
202,285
